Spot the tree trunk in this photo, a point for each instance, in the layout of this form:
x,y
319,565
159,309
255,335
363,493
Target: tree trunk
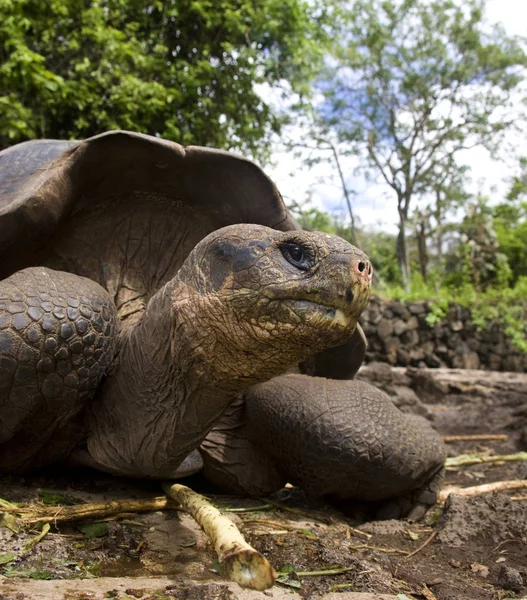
x,y
345,192
402,251
439,229
421,246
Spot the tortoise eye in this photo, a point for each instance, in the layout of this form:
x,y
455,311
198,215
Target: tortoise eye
x,y
297,255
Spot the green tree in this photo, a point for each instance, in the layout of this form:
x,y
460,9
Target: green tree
x,y
411,84
510,223
186,70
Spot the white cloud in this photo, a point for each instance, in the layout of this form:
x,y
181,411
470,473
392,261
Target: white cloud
x,y
374,203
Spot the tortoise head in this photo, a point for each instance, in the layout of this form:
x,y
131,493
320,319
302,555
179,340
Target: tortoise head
x,y
258,300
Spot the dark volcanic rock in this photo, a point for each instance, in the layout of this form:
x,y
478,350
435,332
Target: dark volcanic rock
x,y
493,517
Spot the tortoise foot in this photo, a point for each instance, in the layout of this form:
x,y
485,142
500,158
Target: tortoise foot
x,y
413,505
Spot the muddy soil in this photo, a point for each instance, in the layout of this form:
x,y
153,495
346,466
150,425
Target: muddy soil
x,y
476,550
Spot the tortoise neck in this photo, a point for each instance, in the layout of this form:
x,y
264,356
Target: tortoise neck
x,y
161,399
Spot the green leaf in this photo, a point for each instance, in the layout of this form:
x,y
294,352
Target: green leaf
x,y
7,504
307,533
39,575
6,558
9,521
55,499
289,581
93,530
38,538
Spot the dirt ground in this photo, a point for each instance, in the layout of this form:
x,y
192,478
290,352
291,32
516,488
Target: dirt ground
x,y
476,550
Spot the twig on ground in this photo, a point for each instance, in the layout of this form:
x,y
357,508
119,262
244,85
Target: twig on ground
x,y
479,490
479,437
323,572
270,523
379,549
359,532
240,561
299,511
81,512
423,545
427,593
244,509
477,458
341,586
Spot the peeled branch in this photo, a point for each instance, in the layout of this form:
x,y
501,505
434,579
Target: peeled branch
x,y
479,490
477,458
240,561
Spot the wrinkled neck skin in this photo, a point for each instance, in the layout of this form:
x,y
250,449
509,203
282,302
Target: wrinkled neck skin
x,y
179,368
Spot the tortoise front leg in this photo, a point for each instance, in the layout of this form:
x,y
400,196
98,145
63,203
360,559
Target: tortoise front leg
x,y
57,340
343,440
346,440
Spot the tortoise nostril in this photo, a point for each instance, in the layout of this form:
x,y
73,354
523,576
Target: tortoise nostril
x,y
362,266
349,295
369,270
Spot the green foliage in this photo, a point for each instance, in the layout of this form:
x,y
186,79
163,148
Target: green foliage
x,y
93,530
478,258
413,83
184,70
510,223
313,219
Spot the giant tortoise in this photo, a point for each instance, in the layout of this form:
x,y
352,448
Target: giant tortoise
x,y
152,298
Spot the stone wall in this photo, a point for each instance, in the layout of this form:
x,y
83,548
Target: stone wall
x,y
398,333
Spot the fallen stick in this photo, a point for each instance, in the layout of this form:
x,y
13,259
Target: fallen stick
x,y
301,512
270,523
475,459
479,437
379,549
423,545
479,490
80,512
240,561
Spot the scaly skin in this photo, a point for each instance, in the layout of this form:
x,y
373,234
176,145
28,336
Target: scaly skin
x,y
336,439
57,334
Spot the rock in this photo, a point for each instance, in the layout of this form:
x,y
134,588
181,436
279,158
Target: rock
x,y
399,309
412,323
456,325
403,357
480,570
426,386
510,579
416,355
410,338
391,348
494,362
468,360
441,350
384,328
417,308
394,329
408,402
399,327
493,517
434,361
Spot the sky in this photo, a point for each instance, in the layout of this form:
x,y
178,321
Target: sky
x,y
374,203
